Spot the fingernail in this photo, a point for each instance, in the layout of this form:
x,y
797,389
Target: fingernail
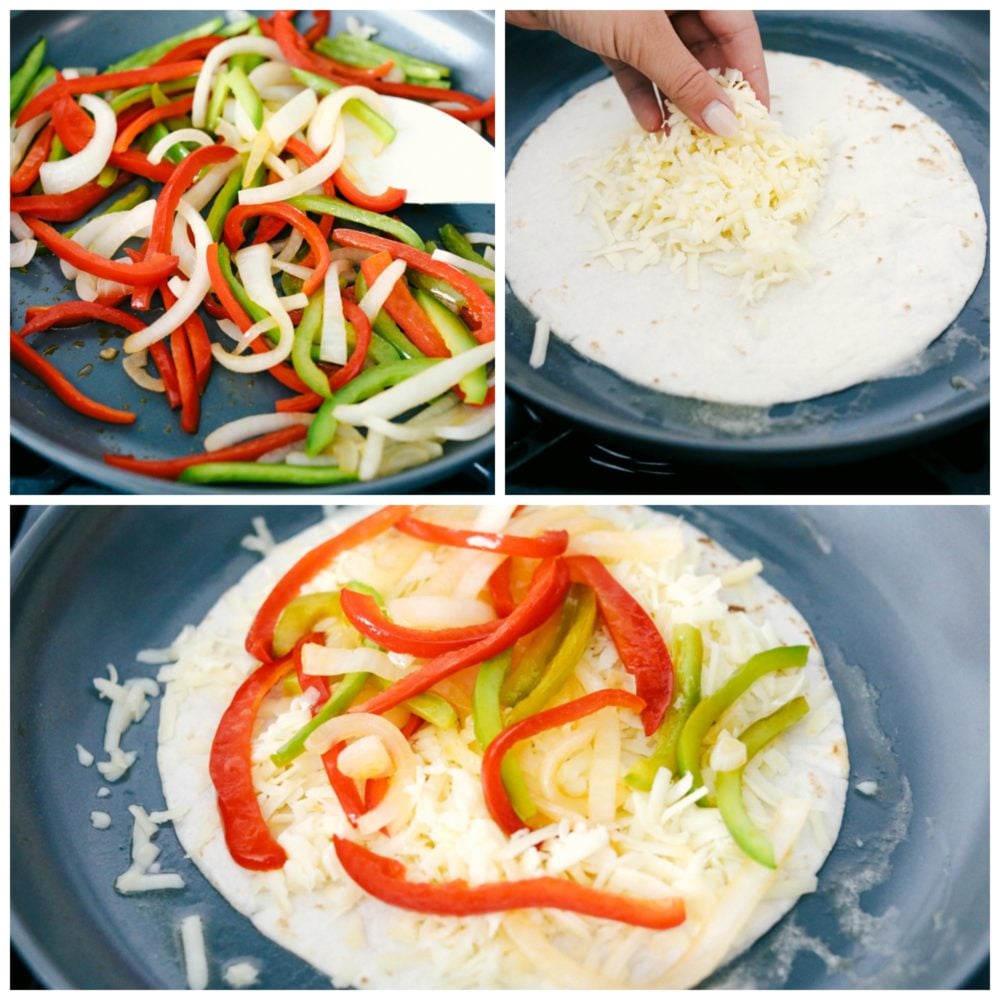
x,y
720,120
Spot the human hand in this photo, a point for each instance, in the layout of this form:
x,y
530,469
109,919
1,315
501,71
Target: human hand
x,y
669,50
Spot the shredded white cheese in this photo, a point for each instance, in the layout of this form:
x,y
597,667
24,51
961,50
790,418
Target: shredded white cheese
x,y
143,875
866,787
84,756
241,975
103,792
100,820
728,753
129,703
261,540
540,345
195,956
688,194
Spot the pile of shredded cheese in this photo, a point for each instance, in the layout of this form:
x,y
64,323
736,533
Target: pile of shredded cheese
x,y
686,194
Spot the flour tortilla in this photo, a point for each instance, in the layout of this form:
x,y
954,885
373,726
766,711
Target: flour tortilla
x,y
313,910
885,282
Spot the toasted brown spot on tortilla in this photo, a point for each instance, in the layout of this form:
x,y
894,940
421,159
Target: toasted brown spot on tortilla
x,y
737,607
906,306
898,127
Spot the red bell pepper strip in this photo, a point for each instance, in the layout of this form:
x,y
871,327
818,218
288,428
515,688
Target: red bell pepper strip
x,y
234,236
319,28
187,384
138,163
160,353
363,612
193,48
201,349
497,800
64,390
183,176
73,313
405,310
304,152
499,588
419,93
258,642
479,304
547,590
29,168
66,207
251,844
246,451
388,201
44,99
296,51
268,230
151,271
543,546
385,879
635,636
477,111
363,341
139,124
305,402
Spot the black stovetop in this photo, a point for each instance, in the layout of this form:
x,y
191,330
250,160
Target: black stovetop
x,y
547,454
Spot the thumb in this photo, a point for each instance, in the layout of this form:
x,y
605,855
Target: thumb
x,y
665,60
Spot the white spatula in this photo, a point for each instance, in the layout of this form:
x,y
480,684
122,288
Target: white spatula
x,y
437,159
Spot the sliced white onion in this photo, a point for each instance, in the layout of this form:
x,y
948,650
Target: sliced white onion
x,y
473,422
230,135
439,612
489,238
371,456
135,368
230,329
296,270
364,759
22,136
469,430
250,427
462,264
259,149
270,74
22,252
237,114
187,259
193,295
254,265
200,194
359,29
296,114
397,75
279,93
297,301
159,150
19,228
215,58
285,169
324,168
62,176
320,133
105,239
333,334
277,455
397,805
298,457
490,256
292,244
373,300
407,455
420,388
325,661
540,345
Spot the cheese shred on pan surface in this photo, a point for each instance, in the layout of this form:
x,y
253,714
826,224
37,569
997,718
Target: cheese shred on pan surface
x,y
686,194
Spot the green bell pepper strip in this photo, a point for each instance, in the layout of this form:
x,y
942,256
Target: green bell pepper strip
x,y
324,425
306,369
244,92
581,609
441,290
368,117
428,706
239,27
220,90
385,326
540,646
136,95
223,202
343,210
146,57
365,53
687,655
301,616
107,176
488,724
247,61
708,711
457,338
729,784
267,473
21,81
45,76
456,242
340,700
